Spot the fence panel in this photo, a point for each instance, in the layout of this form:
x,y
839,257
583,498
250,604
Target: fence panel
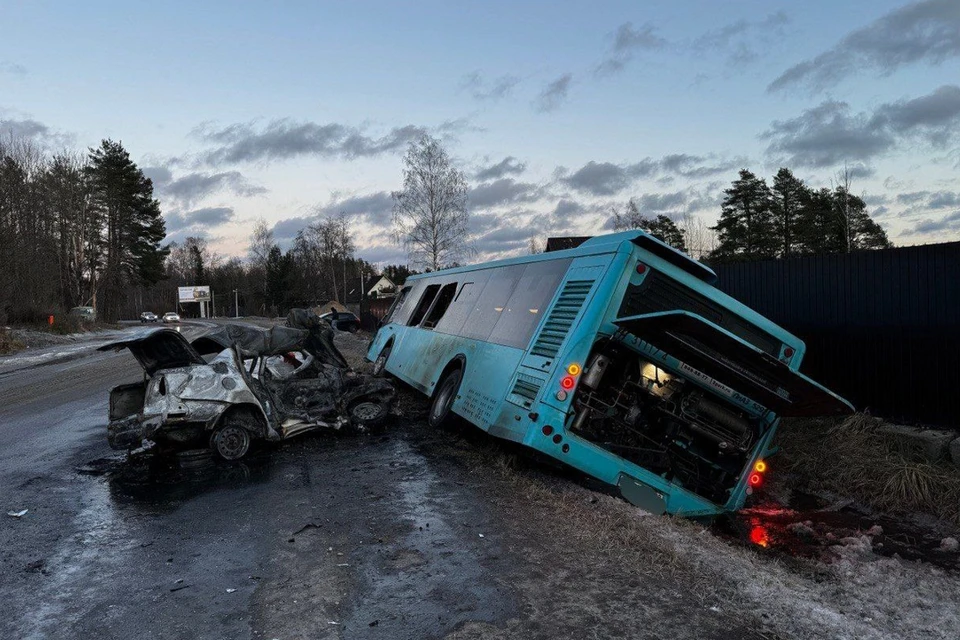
x,y
882,327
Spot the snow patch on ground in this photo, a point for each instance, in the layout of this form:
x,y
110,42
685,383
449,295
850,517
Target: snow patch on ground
x,y
858,596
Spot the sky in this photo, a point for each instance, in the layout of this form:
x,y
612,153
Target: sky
x,y
557,112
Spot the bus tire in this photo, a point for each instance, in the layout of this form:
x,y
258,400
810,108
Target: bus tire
x,y
441,407
380,364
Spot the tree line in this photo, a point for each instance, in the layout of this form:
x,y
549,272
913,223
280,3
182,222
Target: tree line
x,y
759,222
75,230
85,230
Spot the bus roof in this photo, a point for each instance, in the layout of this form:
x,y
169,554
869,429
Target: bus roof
x,y
608,243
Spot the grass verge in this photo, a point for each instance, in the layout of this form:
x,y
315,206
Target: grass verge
x,y
854,458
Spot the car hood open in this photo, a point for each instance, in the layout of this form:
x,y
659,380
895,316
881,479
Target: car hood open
x,y
157,349
722,356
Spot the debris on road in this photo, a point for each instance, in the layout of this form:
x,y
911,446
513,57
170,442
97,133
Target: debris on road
x,y
255,384
17,514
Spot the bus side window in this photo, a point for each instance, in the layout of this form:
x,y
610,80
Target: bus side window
x,y
395,307
425,300
528,303
443,300
463,304
489,305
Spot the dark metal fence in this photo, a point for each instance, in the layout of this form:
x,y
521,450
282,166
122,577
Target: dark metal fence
x,y
371,312
882,327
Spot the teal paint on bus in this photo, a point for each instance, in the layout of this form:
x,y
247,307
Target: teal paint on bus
x,y
513,326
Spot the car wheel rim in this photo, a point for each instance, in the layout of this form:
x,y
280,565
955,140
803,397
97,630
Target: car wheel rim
x,y
366,411
232,442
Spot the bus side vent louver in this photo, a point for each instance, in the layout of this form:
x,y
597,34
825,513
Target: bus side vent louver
x,y
526,389
561,318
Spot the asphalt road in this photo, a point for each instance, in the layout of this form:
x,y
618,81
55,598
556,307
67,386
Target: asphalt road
x,y
387,536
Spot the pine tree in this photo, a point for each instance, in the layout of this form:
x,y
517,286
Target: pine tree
x,y
661,227
788,196
123,198
746,228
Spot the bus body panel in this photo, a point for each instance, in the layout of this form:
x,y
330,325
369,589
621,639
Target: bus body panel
x,y
516,391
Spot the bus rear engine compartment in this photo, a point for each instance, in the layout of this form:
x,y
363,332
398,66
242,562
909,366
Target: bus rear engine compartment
x,y
662,423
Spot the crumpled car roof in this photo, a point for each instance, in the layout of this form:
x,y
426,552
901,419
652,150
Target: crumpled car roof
x,y
256,341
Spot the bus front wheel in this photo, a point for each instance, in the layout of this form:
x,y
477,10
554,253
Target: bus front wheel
x,y
381,362
444,397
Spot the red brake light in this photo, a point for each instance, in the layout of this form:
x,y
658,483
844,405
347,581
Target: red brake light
x,y
641,268
755,479
759,536
567,382
788,352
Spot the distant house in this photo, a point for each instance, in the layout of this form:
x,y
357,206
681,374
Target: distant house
x,y
569,242
383,288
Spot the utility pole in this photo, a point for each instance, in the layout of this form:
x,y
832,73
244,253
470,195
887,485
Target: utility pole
x,y
236,302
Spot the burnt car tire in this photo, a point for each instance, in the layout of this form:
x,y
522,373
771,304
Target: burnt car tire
x,y
440,408
368,414
380,364
231,441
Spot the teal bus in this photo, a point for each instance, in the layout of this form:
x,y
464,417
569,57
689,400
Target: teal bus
x,y
618,357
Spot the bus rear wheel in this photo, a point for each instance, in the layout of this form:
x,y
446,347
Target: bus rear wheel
x,y
440,409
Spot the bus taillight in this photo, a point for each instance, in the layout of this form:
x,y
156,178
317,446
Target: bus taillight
x,y
574,369
755,479
760,466
567,382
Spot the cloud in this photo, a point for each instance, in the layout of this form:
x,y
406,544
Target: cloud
x,y
507,166
567,209
192,187
627,41
918,32
284,139
286,230
488,90
13,68
375,208
606,178
740,40
159,176
829,134
198,219
934,115
34,131
500,192
929,226
554,94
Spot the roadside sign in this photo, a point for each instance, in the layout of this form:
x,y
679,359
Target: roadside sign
x,y
193,294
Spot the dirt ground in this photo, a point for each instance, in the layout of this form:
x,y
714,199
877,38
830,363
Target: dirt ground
x,y
598,565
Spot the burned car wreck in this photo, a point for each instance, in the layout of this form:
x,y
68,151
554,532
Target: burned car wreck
x,y
256,384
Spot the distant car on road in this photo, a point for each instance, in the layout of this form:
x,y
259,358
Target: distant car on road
x,y
170,316
84,314
345,321
148,316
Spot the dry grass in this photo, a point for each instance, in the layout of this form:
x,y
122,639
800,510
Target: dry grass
x,y
9,344
854,458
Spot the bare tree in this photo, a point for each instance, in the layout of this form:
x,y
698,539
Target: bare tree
x,y
700,239
430,213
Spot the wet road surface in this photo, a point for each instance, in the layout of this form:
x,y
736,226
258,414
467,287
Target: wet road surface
x,y
348,537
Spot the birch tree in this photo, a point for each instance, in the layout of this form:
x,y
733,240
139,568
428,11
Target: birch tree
x,y
430,213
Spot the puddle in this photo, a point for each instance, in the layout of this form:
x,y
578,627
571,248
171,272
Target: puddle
x,y
810,528
159,480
